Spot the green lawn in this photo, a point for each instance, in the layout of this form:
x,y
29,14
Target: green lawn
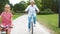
x,y
51,21
16,16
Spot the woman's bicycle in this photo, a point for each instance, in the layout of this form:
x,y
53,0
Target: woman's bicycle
x,y
4,29
31,25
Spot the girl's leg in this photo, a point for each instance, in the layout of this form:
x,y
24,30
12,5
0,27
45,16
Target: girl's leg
x,y
8,30
0,30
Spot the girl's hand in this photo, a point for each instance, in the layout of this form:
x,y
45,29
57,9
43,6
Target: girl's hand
x,y
0,16
12,25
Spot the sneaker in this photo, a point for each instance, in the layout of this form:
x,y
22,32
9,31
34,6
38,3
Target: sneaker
x,y
34,25
28,30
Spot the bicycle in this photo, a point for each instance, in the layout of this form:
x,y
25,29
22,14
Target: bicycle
x,y
31,25
4,29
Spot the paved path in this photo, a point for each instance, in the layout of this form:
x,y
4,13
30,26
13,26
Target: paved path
x,y
21,27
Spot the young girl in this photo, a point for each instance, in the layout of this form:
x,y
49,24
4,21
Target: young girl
x,y
6,16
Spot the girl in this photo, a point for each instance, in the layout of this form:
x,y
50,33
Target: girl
x,y
6,18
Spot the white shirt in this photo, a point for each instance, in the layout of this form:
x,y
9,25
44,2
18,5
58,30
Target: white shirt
x,y
31,10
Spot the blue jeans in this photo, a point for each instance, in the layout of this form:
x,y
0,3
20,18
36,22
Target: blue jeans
x,y
29,20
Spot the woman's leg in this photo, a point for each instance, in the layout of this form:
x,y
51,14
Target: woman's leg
x,y
29,20
34,18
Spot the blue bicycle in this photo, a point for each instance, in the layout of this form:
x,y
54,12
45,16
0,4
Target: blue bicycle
x,y
31,25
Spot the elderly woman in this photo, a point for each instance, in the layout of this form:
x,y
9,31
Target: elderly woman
x,y
32,9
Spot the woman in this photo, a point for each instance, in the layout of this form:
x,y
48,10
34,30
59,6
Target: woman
x,y
31,9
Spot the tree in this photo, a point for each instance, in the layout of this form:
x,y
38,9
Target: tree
x,y
2,3
38,3
52,4
59,13
19,7
11,6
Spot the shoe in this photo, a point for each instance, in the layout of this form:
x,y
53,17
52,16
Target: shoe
x,y
28,30
34,25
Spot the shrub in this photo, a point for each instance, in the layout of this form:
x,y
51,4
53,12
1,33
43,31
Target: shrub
x,y
47,11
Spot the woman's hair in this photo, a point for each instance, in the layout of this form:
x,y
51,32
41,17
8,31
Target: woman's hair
x,y
32,1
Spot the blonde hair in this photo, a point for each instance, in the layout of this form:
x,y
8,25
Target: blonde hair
x,y
32,1
7,5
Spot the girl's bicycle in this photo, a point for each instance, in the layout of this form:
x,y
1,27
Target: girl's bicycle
x,y
4,29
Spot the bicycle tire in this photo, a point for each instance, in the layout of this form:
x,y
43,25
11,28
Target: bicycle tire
x,y
31,27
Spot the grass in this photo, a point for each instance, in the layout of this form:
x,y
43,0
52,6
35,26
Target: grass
x,y
16,16
51,21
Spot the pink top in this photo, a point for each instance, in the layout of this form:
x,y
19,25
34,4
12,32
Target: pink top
x,y
6,18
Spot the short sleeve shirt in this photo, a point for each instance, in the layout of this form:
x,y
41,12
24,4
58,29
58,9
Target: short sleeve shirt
x,y
6,18
31,10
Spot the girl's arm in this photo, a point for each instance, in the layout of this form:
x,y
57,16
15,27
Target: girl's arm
x,y
11,20
0,16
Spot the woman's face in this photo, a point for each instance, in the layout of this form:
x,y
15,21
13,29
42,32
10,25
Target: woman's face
x,y
32,3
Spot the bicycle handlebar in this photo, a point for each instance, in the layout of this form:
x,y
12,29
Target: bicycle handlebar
x,y
6,27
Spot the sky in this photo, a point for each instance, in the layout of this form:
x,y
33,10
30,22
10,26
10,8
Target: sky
x,y
15,1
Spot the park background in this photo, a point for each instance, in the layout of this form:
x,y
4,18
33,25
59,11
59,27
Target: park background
x,y
48,15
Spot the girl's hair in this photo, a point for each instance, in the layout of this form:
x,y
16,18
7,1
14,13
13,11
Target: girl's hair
x,y
7,5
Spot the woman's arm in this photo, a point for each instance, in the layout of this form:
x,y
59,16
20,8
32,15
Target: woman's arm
x,y
27,8
37,9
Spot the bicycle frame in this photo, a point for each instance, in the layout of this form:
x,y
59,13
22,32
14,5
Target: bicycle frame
x,y
31,25
3,30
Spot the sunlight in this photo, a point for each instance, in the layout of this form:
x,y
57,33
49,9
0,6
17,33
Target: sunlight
x,y
16,1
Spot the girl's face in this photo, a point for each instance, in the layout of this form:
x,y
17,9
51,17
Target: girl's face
x,y
7,8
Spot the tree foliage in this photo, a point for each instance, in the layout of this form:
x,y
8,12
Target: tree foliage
x,y
2,3
20,6
52,4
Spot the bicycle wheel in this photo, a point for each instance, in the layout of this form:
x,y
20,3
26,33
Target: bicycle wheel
x,y
31,27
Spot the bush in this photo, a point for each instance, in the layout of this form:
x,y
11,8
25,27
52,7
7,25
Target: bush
x,y
47,11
